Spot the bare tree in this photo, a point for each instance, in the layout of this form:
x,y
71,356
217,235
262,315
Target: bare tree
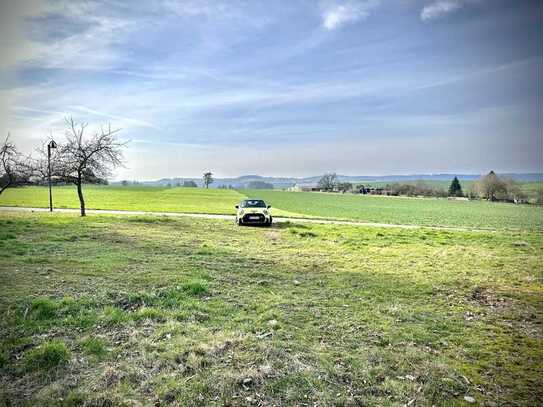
x,y
328,182
513,191
87,160
208,178
344,186
15,170
491,186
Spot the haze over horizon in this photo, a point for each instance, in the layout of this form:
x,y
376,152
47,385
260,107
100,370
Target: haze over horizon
x,y
294,89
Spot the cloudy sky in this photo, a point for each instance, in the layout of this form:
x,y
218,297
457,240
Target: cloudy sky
x,y
290,88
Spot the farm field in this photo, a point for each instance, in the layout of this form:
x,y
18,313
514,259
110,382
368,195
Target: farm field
x,y
408,211
108,310
394,210
152,199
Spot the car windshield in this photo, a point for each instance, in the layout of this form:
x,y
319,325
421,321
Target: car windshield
x,y
257,203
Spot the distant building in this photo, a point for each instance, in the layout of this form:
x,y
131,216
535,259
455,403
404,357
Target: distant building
x,y
304,188
368,190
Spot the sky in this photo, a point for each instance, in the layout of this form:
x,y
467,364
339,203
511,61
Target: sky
x,y
281,88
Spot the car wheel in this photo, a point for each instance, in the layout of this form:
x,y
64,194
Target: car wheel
x,y
269,223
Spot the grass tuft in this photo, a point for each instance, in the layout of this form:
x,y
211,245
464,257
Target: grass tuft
x,y
94,346
113,316
47,356
43,309
195,287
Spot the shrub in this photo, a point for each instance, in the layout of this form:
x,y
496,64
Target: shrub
x,y
47,356
419,188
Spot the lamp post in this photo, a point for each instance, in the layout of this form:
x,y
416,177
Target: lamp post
x,y
51,145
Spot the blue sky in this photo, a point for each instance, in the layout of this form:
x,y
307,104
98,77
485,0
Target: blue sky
x,y
290,88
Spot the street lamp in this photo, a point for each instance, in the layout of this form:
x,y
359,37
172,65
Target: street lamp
x,y
51,145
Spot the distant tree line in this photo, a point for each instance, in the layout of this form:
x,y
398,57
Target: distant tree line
x,y
259,185
419,188
490,187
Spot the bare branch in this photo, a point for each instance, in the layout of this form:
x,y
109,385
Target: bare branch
x,y
15,169
87,159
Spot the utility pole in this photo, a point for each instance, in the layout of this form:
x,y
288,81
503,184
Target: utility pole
x,y
51,145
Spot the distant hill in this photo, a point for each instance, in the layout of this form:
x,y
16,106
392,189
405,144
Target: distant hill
x,y
285,182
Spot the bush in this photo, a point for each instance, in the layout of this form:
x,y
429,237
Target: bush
x,y
418,189
47,356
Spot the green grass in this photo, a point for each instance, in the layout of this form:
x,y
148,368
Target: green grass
x,y
47,356
195,200
394,210
408,211
109,310
152,199
94,346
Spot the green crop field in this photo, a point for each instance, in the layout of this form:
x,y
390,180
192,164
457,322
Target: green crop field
x,y
409,211
394,210
152,199
132,310
128,198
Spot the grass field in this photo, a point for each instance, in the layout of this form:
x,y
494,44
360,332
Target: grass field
x,y
152,199
409,211
109,310
394,210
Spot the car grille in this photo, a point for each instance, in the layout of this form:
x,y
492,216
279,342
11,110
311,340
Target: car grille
x,y
253,218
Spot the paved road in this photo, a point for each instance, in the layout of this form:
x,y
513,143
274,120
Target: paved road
x,y
230,217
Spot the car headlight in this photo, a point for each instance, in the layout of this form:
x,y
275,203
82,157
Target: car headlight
x,y
241,212
265,212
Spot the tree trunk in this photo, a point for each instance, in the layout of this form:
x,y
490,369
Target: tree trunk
x,y
80,194
2,189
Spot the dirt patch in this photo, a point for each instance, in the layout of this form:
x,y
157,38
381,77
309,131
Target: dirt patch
x,y
488,298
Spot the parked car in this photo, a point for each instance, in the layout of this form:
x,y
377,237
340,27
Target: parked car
x,y
253,212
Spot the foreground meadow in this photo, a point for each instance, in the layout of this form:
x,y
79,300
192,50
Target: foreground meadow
x,y
151,310
393,210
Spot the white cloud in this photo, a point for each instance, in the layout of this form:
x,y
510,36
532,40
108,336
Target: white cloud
x,y
91,48
439,8
337,14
